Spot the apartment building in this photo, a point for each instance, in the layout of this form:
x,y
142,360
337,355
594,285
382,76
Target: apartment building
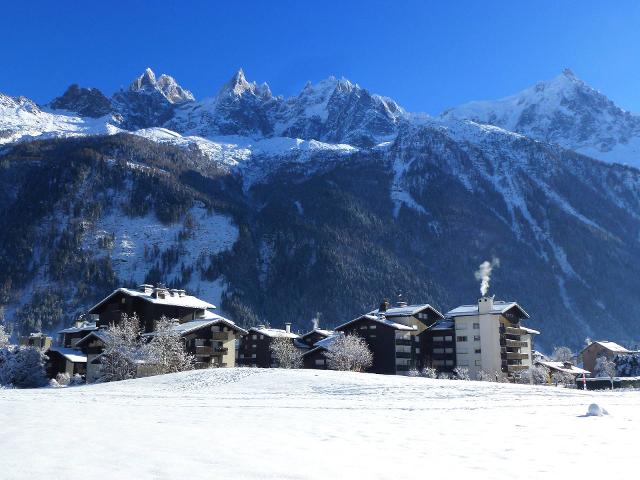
x,y
490,337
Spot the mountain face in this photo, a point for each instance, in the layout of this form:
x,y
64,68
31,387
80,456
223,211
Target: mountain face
x,y
565,111
275,209
87,102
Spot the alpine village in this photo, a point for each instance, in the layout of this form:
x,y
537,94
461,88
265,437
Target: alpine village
x,y
487,340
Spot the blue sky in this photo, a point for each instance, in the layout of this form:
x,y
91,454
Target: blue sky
x,y
427,55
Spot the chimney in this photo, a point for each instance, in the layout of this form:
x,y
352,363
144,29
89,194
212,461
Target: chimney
x,y
174,292
401,302
287,327
485,305
182,293
383,306
160,291
146,288
260,327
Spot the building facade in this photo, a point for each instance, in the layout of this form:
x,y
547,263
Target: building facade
x,y
489,337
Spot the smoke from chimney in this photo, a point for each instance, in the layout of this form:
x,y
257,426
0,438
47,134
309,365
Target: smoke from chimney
x,y
484,274
315,321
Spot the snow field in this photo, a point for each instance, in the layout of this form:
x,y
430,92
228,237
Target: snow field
x,y
253,423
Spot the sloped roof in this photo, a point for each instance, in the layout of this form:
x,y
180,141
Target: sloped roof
x,y
379,319
99,334
320,331
70,354
274,332
325,343
406,310
499,307
85,328
443,325
612,346
563,367
186,301
209,321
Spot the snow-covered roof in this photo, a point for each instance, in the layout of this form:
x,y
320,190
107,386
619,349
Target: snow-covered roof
x,y
563,367
70,354
406,310
613,347
186,301
443,325
209,321
530,331
320,331
273,332
379,319
99,334
499,307
88,327
325,343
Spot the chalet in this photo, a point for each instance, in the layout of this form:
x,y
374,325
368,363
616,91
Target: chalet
x,y
211,340
393,335
92,345
315,357
69,337
38,340
65,360
590,354
255,346
489,337
149,303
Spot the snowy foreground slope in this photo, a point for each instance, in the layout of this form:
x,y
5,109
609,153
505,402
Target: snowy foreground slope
x,y
251,423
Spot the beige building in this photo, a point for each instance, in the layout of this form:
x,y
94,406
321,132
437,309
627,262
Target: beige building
x,y
589,355
489,337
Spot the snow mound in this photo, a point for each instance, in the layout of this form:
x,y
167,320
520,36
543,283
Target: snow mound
x,y
596,410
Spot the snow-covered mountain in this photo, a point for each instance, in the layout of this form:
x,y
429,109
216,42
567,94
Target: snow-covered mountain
x,y
364,198
565,111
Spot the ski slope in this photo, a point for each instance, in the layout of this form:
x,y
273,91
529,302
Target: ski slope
x,y
252,423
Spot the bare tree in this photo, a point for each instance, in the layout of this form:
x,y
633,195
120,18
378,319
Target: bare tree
x,y
165,352
461,373
285,353
605,367
429,372
4,337
562,354
349,353
563,378
123,350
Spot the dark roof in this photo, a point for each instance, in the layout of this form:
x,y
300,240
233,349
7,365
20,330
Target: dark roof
x,y
185,301
381,319
100,335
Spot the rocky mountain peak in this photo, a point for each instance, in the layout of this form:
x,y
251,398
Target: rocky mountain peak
x,y
164,84
88,102
238,86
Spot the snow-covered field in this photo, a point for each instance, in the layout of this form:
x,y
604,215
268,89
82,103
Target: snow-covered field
x,y
252,423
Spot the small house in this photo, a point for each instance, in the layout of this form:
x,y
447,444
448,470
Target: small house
x,y
65,360
590,354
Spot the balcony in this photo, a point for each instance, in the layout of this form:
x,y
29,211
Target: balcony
x,y
403,342
516,343
517,356
220,336
204,350
514,331
403,354
220,350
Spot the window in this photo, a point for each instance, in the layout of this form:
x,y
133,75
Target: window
x,y
478,350
254,346
448,338
476,326
417,350
476,338
320,361
438,350
372,327
363,327
372,336
478,363
254,337
261,337
448,350
461,326
438,339
461,339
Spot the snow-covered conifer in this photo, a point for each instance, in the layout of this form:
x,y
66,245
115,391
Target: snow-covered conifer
x,y
166,352
349,353
22,367
285,353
